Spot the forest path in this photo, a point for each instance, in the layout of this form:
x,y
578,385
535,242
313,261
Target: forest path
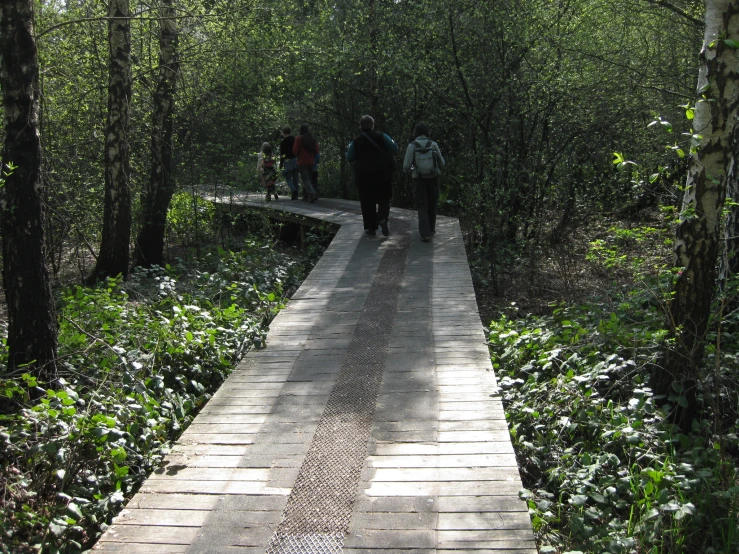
x,y
370,422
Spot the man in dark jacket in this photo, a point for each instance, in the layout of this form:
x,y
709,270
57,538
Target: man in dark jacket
x,y
371,153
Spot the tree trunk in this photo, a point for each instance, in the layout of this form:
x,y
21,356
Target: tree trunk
x,y
374,62
32,325
114,247
697,237
158,194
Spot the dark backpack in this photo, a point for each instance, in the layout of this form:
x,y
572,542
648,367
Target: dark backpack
x,y
424,160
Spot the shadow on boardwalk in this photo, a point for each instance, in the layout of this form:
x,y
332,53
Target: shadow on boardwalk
x,y
369,423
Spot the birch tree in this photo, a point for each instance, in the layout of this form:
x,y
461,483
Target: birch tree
x,y
113,258
158,194
32,326
698,234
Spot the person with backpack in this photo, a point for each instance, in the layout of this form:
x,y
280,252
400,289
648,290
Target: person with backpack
x,y
305,149
372,155
289,163
424,161
267,171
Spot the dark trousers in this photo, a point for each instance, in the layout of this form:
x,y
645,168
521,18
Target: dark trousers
x,y
306,171
426,198
374,210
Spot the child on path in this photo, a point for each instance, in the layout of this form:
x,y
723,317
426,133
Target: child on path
x,y
266,171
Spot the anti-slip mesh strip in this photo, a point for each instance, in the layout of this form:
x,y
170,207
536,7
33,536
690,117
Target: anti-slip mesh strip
x,y
319,508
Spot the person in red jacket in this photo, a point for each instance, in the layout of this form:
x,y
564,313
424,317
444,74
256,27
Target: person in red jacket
x,y
305,148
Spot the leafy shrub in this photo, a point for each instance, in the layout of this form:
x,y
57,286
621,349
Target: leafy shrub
x,y
604,470
137,361
185,212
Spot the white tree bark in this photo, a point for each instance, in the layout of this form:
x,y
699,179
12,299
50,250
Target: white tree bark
x,y
711,168
114,248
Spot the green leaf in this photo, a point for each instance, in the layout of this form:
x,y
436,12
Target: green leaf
x,y
57,527
687,509
731,43
74,511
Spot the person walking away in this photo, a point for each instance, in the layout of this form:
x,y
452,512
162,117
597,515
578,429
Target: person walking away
x,y
288,162
266,171
424,160
306,148
371,153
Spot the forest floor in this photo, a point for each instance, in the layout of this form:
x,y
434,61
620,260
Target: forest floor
x,y
595,258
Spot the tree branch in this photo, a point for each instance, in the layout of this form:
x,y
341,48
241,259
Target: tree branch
x,y
679,11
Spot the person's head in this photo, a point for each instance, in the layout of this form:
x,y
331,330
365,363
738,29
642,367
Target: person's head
x,y
307,140
286,131
266,149
366,123
421,129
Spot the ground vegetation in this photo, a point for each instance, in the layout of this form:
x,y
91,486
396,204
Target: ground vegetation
x,y
588,171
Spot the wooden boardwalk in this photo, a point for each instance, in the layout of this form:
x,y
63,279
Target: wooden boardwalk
x,y
437,474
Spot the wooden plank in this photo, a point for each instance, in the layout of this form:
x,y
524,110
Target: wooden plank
x,y
452,448
484,521
214,438
133,548
497,538
446,461
149,534
220,428
433,488
458,474
169,518
213,487
476,436
223,474
480,504
144,501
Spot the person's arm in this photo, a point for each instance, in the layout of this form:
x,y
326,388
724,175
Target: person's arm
x,y
296,145
408,161
390,145
283,153
440,158
350,154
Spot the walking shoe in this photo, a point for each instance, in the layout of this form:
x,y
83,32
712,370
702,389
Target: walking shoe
x,y
425,239
383,225
313,198
370,233
276,197
304,199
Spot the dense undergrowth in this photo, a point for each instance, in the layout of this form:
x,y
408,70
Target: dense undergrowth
x,y
604,469
137,361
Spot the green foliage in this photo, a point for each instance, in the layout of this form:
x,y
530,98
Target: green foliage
x,y
138,360
604,470
190,219
641,250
